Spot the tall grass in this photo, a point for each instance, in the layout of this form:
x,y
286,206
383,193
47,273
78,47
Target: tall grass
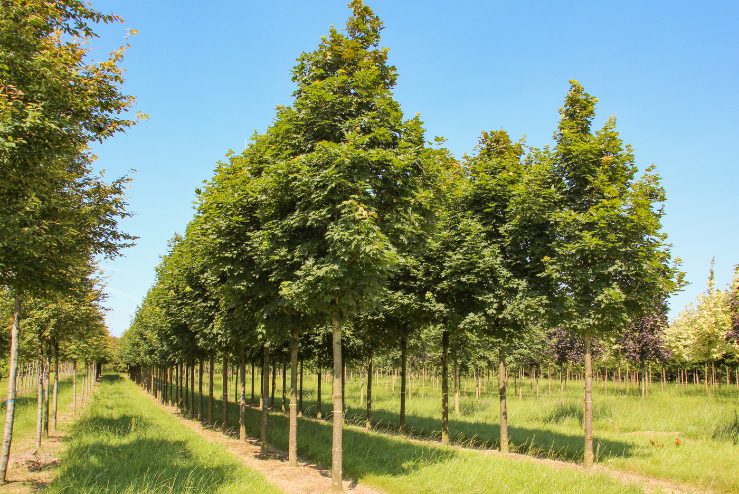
x,y
125,444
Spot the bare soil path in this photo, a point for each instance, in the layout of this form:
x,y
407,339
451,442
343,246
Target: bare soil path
x,y
32,471
306,478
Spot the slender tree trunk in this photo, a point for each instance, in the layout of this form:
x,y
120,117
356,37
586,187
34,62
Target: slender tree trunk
x,y
274,386
403,372
445,387
74,386
338,411
300,390
456,388
252,381
292,449
283,405
265,397
588,411
56,384
319,413
47,378
200,389
40,395
242,397
192,389
211,371
225,392
502,378
368,423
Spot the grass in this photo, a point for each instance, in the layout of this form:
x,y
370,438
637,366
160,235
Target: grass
x,y
679,434
398,465
125,444
24,426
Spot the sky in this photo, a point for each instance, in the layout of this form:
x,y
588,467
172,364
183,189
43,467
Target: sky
x,y
209,74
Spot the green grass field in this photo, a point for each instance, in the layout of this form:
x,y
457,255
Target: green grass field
x,y
24,426
632,434
124,443
397,465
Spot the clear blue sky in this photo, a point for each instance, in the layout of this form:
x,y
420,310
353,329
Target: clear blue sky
x,y
210,73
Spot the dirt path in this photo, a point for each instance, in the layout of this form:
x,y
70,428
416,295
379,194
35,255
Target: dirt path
x,y
31,471
306,478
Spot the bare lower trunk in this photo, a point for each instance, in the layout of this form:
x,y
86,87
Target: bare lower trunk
x,y
403,372
211,371
445,387
47,377
283,405
274,386
252,381
338,411
200,389
456,388
56,385
10,403
224,426
588,411
242,397
319,413
300,389
502,399
368,423
292,448
40,396
74,386
265,396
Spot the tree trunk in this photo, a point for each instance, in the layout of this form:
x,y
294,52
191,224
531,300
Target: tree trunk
x,y
40,395
283,405
368,423
403,372
338,411
502,378
74,386
192,389
300,390
318,394
47,378
588,456
274,386
252,381
242,397
200,390
456,388
265,396
211,371
224,426
445,387
56,385
292,448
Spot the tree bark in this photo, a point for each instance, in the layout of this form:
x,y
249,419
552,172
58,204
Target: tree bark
x,y
274,386
211,371
74,386
47,377
445,387
300,389
338,411
56,385
252,381
40,395
403,372
242,397
588,456
292,449
502,378
224,426
283,405
456,388
368,423
265,397
319,413
200,389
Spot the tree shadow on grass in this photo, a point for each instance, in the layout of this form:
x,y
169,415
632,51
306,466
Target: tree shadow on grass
x,y
107,454
543,443
364,453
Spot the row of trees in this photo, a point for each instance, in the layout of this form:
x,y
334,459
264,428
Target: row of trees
x,y
707,332
57,217
341,232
